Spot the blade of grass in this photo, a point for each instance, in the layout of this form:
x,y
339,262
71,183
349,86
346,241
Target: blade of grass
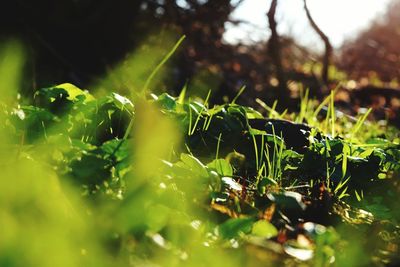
x,y
149,79
320,106
358,196
238,94
219,141
272,111
163,61
344,165
326,101
332,105
303,105
344,193
190,119
255,150
262,150
360,122
181,98
209,121
274,108
201,111
269,164
341,184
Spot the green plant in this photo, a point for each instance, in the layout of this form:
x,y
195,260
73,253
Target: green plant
x,y
105,181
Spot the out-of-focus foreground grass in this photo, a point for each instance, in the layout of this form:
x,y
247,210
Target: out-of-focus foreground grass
x,y
46,221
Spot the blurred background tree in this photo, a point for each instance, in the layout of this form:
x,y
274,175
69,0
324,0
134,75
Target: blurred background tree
x,y
375,52
82,41
78,41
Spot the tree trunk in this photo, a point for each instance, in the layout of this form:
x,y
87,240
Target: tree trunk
x,y
328,47
275,54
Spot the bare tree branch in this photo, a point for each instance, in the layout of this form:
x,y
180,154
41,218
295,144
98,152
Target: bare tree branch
x,y
328,47
237,4
275,52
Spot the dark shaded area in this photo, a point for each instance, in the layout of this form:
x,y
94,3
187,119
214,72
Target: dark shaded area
x,y
70,40
79,41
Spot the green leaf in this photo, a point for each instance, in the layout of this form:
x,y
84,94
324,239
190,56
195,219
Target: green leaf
x,y
74,92
264,229
221,166
166,102
252,114
195,165
122,101
253,131
264,182
91,169
288,199
233,227
116,148
378,141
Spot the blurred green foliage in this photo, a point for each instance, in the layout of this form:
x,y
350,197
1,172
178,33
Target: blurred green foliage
x,y
188,184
